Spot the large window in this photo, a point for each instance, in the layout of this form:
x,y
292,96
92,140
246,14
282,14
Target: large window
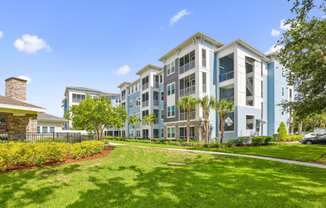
x,y
203,55
204,81
188,85
187,62
250,64
77,98
226,67
170,68
44,129
171,111
51,129
171,132
250,122
145,82
145,97
171,88
183,132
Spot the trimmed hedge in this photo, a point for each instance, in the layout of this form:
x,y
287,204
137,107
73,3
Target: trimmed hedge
x,y
19,154
293,137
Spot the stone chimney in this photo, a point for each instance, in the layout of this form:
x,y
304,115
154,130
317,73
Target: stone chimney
x,y
16,88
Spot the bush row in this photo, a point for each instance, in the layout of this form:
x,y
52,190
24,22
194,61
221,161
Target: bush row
x,y
20,154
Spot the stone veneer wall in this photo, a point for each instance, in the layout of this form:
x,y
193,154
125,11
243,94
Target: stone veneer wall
x,y
16,88
21,124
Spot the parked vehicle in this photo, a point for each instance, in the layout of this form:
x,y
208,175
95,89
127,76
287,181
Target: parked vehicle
x,y
314,138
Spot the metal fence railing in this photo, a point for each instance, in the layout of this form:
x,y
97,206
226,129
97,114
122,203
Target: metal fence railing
x,y
47,137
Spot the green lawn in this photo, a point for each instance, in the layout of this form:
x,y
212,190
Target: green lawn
x,y
151,177
300,152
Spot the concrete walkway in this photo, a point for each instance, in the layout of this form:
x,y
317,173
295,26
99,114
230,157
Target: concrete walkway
x,y
294,162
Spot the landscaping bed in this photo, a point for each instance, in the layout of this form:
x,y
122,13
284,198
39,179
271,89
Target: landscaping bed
x,y
21,155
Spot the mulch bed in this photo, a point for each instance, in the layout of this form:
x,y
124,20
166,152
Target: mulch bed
x,y
105,152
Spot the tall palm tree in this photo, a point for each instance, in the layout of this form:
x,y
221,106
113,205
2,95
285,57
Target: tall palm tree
x,y
223,107
187,104
150,119
133,121
206,103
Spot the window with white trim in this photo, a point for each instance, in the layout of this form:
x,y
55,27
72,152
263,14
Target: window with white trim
x,y
171,111
171,88
170,68
171,132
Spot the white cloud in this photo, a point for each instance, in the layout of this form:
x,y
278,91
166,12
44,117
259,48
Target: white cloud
x,y
275,33
123,70
31,44
179,16
1,34
25,78
274,48
284,26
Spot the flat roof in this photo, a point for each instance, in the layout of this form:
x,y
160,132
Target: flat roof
x,y
86,89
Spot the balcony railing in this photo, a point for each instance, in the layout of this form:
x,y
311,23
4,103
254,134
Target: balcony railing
x,y
183,115
145,103
156,84
204,88
186,66
145,86
188,91
156,102
226,76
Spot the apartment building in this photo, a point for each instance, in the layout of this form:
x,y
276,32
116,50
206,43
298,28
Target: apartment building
x,y
142,97
201,66
74,95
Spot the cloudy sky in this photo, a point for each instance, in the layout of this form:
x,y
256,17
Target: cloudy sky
x,y
100,43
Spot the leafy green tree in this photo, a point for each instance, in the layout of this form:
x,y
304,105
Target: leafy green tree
x,y
150,120
187,104
282,132
206,103
223,107
303,53
94,115
133,121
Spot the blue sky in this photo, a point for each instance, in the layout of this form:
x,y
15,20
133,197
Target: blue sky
x,y
99,44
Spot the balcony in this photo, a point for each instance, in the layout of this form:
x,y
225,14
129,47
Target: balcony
x,y
226,76
145,86
145,103
183,115
187,67
156,102
156,84
188,91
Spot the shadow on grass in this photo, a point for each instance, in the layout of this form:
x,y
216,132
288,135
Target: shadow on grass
x,y
202,183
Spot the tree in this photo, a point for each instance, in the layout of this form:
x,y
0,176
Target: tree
x,y
223,107
94,115
282,132
150,119
133,121
187,104
303,54
206,103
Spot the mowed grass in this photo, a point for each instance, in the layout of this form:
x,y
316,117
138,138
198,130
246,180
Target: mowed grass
x,y
151,177
300,152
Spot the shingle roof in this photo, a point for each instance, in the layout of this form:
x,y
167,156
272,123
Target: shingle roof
x,y
86,89
11,101
48,117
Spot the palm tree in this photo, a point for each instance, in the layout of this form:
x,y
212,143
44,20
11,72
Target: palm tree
x,y
223,107
187,103
150,119
206,103
133,121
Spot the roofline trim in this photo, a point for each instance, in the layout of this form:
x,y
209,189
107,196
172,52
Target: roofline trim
x,y
24,108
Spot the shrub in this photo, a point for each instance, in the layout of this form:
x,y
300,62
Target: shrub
x,y
16,154
261,140
293,137
282,132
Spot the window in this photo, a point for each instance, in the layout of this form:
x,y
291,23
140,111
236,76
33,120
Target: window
x,y
262,88
162,96
52,129
290,94
226,67
171,132
203,55
170,68
157,115
44,129
250,122
161,78
162,114
282,91
204,81
187,62
38,129
171,88
188,85
77,98
171,111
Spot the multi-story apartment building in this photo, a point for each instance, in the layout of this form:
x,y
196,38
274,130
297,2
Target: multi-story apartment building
x,y
201,66
143,97
74,95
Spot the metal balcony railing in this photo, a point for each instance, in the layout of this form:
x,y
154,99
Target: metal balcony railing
x,y
156,102
156,84
145,86
145,103
183,115
226,76
188,91
186,66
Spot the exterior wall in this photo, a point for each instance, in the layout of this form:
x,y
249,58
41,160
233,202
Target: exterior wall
x,y
277,82
20,124
58,126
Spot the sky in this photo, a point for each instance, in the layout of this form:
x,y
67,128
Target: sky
x,y
99,44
